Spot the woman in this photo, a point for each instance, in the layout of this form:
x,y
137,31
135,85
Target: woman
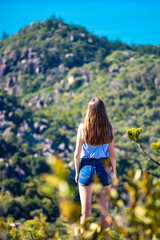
x,y
95,139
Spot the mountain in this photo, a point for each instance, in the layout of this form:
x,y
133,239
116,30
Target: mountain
x,y
48,73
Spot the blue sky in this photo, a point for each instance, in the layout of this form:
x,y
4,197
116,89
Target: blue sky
x,y
130,21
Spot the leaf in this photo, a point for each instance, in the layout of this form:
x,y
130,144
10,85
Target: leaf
x,y
134,133
156,146
69,209
114,193
137,175
89,219
57,166
51,179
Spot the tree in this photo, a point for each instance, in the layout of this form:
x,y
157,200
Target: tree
x,y
5,35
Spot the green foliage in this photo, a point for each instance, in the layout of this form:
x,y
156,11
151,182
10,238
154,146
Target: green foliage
x,y
34,165
156,146
31,229
14,209
136,216
10,137
12,185
39,59
5,35
58,180
133,134
49,60
139,218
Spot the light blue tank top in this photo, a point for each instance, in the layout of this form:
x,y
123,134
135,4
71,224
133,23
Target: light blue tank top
x,y
93,151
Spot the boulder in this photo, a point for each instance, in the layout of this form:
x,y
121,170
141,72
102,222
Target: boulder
x,y
36,155
42,128
23,61
2,117
56,93
47,154
71,37
45,120
114,69
59,25
31,54
20,134
25,125
36,126
4,69
61,66
37,137
46,140
37,70
20,174
61,155
9,83
82,34
66,152
69,55
11,54
70,79
11,86
15,90
61,146
85,75
71,148
11,115
40,102
52,50
71,165
157,82
64,127
33,101
3,125
24,53
3,60
12,172
7,130
90,40
131,59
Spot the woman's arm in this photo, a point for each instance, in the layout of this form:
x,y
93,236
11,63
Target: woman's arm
x,y
78,152
112,153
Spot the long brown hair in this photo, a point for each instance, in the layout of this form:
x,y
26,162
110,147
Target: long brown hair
x,y
96,124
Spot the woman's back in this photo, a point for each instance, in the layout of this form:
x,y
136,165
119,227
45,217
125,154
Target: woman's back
x,y
93,151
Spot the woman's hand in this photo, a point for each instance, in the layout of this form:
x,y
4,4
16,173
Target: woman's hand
x,y
76,178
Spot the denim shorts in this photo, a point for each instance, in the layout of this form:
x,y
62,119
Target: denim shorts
x,y
92,170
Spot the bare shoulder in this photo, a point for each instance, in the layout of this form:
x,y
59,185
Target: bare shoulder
x,y
80,125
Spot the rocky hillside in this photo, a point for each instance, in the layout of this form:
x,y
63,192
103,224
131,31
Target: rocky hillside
x,y
48,73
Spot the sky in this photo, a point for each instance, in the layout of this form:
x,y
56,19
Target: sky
x,y
131,21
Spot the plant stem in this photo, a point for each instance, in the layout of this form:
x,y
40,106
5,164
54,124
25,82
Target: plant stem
x,y
149,158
